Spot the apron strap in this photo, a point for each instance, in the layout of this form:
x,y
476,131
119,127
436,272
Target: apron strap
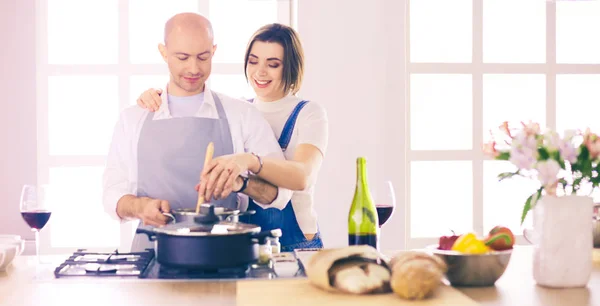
x,y
288,128
220,110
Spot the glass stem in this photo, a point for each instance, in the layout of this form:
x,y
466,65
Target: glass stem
x,y
378,238
37,245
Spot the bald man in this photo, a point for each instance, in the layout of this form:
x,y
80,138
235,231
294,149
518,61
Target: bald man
x,y
156,158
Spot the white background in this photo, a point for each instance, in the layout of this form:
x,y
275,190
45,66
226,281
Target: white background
x,y
356,54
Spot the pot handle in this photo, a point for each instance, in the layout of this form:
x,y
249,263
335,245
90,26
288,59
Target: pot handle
x,y
270,233
244,213
170,215
150,233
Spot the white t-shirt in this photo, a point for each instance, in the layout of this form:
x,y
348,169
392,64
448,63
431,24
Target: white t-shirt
x,y
311,128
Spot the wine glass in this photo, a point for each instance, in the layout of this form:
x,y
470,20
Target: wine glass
x,y
385,203
35,211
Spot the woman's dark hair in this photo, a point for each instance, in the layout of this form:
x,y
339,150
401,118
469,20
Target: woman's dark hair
x,y
293,54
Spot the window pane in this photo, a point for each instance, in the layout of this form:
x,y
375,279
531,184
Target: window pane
x,y
147,20
522,40
81,118
503,201
441,112
441,31
233,85
234,22
578,102
78,218
140,83
513,98
577,32
441,198
83,32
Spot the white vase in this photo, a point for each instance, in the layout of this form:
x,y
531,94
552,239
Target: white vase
x,y
563,241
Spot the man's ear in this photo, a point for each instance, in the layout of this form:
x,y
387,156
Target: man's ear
x,y
214,49
163,51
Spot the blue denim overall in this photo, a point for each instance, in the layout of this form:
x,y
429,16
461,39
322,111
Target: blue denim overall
x,y
272,218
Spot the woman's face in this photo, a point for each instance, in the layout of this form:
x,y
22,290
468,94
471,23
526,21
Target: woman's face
x,y
265,70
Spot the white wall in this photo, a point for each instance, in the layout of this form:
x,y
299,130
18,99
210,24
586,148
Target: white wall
x,y
355,67
17,110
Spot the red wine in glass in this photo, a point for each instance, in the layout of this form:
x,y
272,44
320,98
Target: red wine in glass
x,y
36,219
384,212
35,211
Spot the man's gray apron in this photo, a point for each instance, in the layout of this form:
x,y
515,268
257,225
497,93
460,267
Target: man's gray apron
x,y
171,157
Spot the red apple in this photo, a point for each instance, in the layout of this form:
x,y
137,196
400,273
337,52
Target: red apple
x,y
500,238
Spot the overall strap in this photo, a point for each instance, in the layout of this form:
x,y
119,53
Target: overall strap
x,y
288,128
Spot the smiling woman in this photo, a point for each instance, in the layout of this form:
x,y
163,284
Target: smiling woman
x,y
274,67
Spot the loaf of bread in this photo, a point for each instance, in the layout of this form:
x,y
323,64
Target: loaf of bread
x,y
354,270
416,274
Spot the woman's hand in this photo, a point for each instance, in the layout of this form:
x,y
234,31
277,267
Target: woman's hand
x,y
150,99
219,176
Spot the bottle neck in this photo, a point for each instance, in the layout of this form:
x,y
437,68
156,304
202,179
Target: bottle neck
x,y
361,174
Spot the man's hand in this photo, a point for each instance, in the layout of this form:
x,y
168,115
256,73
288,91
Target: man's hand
x,y
149,211
237,185
219,176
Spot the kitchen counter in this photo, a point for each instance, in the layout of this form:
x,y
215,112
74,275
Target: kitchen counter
x,y
25,284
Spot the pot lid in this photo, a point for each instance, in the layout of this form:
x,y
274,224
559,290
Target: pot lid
x,y
191,228
207,223
219,211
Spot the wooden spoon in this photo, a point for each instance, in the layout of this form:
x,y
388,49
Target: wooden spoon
x,y
210,150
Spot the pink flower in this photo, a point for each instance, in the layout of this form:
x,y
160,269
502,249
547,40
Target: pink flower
x,y
548,172
531,128
490,149
552,140
592,142
523,151
568,151
504,128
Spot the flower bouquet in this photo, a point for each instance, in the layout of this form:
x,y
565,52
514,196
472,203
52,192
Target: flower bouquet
x,y
566,167
562,165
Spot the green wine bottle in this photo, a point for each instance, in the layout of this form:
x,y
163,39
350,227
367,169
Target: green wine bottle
x,y
362,220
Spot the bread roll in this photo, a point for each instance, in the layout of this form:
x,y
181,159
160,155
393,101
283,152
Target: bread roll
x,y
354,270
416,274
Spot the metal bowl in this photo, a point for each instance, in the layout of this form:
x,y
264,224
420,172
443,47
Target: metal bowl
x,y
473,270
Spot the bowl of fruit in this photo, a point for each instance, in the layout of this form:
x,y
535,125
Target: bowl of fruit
x,y
473,261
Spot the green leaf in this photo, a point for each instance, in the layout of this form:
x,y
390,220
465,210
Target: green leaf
x,y
556,156
563,182
505,175
544,155
530,203
576,183
586,170
503,156
584,154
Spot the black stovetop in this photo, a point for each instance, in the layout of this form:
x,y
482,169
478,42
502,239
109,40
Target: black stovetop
x,y
144,265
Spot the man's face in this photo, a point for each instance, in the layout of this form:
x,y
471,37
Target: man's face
x,y
188,53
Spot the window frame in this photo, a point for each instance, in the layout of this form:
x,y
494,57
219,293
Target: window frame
x,y
123,69
477,69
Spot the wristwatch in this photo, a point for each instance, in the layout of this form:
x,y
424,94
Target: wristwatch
x,y
244,184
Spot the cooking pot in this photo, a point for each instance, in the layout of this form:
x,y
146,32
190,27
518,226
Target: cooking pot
x,y
224,214
207,242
